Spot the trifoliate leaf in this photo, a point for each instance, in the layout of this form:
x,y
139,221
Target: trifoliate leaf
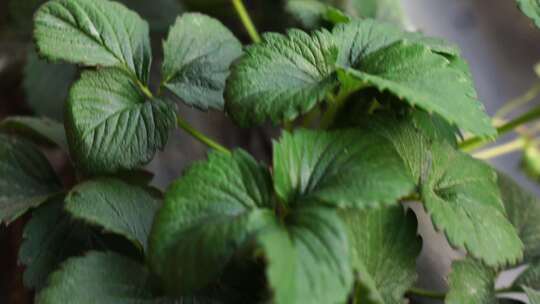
x,y
38,130
100,278
346,168
523,211
94,33
26,178
533,295
208,213
116,207
46,95
460,193
531,8
384,247
111,125
424,79
50,237
308,257
530,277
198,53
471,282
281,77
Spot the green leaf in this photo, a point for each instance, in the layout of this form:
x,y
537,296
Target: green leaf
x,y
308,257
384,248
471,282
207,215
26,178
531,8
345,168
459,192
38,130
361,38
198,53
281,77
50,237
114,206
314,13
533,295
94,33
47,95
100,278
530,277
523,211
461,195
111,125
424,79
383,10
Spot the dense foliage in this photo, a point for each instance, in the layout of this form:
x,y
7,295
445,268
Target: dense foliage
x,y
373,116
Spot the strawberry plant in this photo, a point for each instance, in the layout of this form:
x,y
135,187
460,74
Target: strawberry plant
x,y
372,116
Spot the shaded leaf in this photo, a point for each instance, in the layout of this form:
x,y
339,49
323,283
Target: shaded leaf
x,y
198,53
207,215
313,14
533,295
281,77
94,33
471,283
530,277
38,130
111,125
26,178
346,168
523,211
384,248
159,13
101,278
50,237
47,95
114,206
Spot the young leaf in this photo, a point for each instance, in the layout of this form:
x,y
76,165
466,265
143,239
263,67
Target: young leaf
x,y
39,130
207,215
531,8
425,79
94,33
111,125
116,207
281,77
471,282
313,14
523,211
26,178
50,237
100,278
198,53
308,257
384,248
47,95
345,168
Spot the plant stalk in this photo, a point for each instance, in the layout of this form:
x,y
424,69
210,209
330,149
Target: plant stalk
x,y
477,142
515,103
242,13
514,145
200,137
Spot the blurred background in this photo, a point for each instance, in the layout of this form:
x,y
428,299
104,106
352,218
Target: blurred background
x,y
500,44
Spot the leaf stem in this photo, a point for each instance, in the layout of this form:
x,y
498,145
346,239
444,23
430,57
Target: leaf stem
x,y
427,293
200,137
477,142
242,13
514,145
515,103
335,103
